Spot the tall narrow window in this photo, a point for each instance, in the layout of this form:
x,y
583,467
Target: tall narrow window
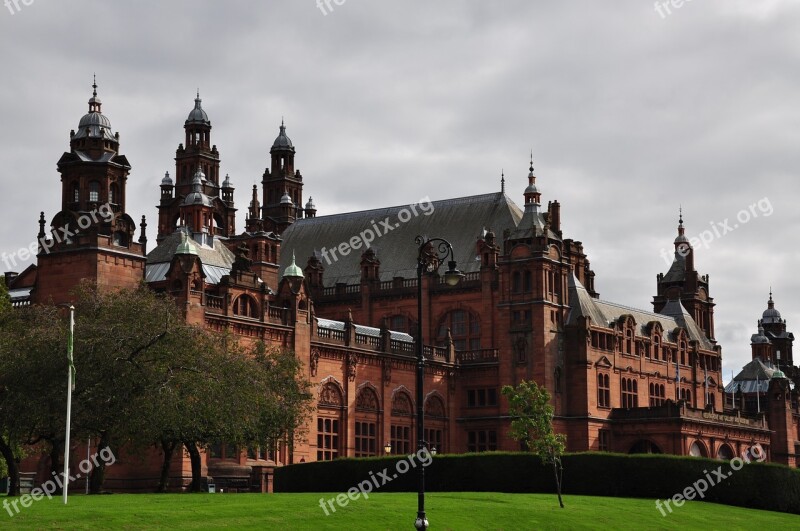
x,y
76,192
94,191
630,393
603,391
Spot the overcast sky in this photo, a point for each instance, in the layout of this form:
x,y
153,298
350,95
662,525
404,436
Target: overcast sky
x,y
630,112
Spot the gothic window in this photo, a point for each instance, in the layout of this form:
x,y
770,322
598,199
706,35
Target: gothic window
x,y
657,395
465,328
367,400
686,394
94,191
603,391
628,341
245,306
401,405
682,349
630,393
330,396
434,407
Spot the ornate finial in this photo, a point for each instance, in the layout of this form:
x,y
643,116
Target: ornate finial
x,y
502,180
94,85
531,168
770,294
680,215
198,92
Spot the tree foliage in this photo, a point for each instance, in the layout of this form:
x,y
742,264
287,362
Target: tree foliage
x,y
144,378
532,414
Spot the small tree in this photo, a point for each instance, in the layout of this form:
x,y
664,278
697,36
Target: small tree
x,y
532,424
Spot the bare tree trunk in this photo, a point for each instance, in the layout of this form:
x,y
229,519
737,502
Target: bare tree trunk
x,y
13,467
168,447
556,470
194,456
56,470
98,474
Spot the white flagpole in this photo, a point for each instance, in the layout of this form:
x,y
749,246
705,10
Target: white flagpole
x,y
70,385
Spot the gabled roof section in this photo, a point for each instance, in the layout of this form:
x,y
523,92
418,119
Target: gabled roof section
x,y
753,377
582,304
392,230
217,261
604,314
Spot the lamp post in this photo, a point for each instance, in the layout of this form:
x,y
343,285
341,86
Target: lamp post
x,y
431,253
387,448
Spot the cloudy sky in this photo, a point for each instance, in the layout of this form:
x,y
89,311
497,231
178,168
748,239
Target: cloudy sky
x,y
631,111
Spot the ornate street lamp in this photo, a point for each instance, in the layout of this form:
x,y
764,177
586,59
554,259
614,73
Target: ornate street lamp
x,y
387,448
432,252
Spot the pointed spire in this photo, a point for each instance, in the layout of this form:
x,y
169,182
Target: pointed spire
x,y
770,302
94,85
502,180
531,167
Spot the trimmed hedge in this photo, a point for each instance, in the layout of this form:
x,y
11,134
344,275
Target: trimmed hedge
x,y
755,485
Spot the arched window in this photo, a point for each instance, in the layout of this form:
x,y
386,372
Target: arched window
x,y
516,282
628,341
245,306
527,285
401,435
465,328
656,347
366,423
435,423
697,449
94,191
113,194
329,421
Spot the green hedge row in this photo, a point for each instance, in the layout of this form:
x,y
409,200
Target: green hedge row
x,y
754,485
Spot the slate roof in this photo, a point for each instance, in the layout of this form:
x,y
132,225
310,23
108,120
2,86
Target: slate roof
x,y
460,221
217,261
360,329
604,313
753,376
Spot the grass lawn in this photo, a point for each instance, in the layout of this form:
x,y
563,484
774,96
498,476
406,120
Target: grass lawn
x,y
457,511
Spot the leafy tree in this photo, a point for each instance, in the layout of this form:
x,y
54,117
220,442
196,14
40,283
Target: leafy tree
x,y
532,414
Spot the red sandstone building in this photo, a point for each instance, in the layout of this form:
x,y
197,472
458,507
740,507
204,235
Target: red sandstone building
x,y
622,379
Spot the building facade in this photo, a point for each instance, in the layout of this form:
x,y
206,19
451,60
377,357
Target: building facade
x,y
341,292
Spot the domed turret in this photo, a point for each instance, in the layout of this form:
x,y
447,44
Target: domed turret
x,y
198,115
167,180
197,197
94,124
282,141
285,199
293,270
771,315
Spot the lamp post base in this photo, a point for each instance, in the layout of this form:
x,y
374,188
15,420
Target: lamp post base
x,y
421,523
